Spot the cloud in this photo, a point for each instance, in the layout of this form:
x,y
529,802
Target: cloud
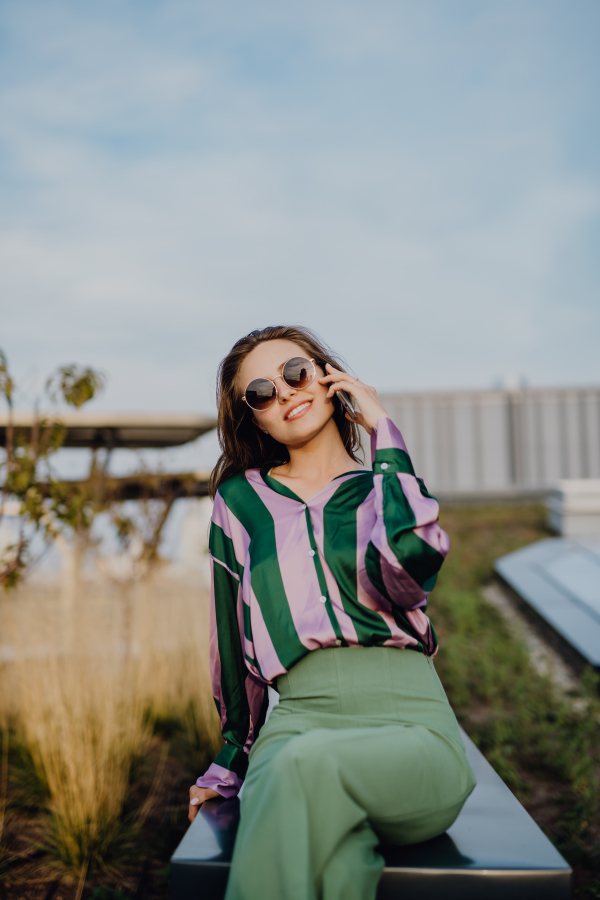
x,y
402,177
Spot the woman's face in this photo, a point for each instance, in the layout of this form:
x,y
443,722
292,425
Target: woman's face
x,y
297,415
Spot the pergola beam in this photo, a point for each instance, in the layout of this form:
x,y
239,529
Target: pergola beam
x,y
117,430
151,486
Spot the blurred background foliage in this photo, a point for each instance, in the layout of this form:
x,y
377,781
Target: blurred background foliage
x,y
543,742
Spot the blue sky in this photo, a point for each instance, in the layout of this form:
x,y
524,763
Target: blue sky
x,y
418,181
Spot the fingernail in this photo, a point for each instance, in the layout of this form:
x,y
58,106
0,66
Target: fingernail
x,y
194,802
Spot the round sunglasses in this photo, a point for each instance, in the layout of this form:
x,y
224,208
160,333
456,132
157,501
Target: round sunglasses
x,y
298,372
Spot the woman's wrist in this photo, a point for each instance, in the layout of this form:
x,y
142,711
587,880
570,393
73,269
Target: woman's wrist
x,y
374,417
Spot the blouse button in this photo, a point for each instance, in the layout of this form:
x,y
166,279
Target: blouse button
x,y
311,552
385,466
303,506
338,643
323,599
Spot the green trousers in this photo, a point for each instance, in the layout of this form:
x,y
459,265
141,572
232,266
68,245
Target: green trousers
x,y
363,747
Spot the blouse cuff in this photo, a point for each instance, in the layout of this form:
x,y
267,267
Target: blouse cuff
x,y
223,781
388,450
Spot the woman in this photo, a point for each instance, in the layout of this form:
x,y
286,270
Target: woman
x,y
321,570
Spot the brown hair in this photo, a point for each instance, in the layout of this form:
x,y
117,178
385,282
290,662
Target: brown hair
x,y
243,445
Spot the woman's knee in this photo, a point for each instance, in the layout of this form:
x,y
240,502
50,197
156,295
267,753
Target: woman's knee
x,y
417,828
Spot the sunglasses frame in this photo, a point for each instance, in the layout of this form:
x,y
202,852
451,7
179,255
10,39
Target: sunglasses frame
x,y
285,382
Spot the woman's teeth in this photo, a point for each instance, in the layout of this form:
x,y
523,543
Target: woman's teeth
x,y
298,410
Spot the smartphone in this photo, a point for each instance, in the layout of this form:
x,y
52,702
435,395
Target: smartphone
x,y
346,403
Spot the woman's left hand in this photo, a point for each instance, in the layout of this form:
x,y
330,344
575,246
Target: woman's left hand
x,y
371,407
197,797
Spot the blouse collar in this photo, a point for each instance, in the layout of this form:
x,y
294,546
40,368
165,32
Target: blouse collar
x,y
280,488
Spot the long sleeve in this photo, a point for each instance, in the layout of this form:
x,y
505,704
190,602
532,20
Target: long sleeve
x,y
240,694
407,545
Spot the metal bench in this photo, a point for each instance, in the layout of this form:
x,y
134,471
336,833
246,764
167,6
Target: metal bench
x,y
493,850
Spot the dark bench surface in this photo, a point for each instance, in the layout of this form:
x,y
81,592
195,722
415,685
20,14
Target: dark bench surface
x,y
559,578
493,850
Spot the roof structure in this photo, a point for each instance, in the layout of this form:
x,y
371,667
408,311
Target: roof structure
x,y
499,444
558,579
111,430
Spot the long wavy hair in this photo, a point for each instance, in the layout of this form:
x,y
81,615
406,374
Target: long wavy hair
x,y
243,445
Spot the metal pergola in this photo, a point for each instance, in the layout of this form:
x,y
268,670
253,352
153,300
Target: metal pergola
x,y
116,430
133,431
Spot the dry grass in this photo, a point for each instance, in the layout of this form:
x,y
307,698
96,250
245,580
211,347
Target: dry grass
x,y
84,724
84,691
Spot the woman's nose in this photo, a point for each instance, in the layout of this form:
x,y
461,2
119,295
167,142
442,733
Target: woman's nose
x,y
284,390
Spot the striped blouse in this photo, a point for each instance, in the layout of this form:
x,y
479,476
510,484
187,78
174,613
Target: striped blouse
x,y
351,567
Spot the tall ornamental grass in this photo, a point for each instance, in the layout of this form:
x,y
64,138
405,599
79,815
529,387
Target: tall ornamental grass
x,y
83,720
84,688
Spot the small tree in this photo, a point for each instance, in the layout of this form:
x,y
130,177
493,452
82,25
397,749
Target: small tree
x,y
50,507
47,505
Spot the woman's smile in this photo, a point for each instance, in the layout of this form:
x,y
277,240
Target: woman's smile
x,y
299,409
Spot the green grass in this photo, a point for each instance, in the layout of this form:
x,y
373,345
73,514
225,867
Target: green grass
x,y
544,746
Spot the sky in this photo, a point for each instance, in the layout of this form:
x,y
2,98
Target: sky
x,y
416,180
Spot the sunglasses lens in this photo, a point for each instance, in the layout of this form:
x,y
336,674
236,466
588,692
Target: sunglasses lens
x,y
298,372
260,393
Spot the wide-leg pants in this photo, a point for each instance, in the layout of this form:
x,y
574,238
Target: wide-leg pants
x,y
363,747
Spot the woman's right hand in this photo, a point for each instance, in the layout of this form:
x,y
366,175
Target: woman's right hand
x,y
370,410
197,798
